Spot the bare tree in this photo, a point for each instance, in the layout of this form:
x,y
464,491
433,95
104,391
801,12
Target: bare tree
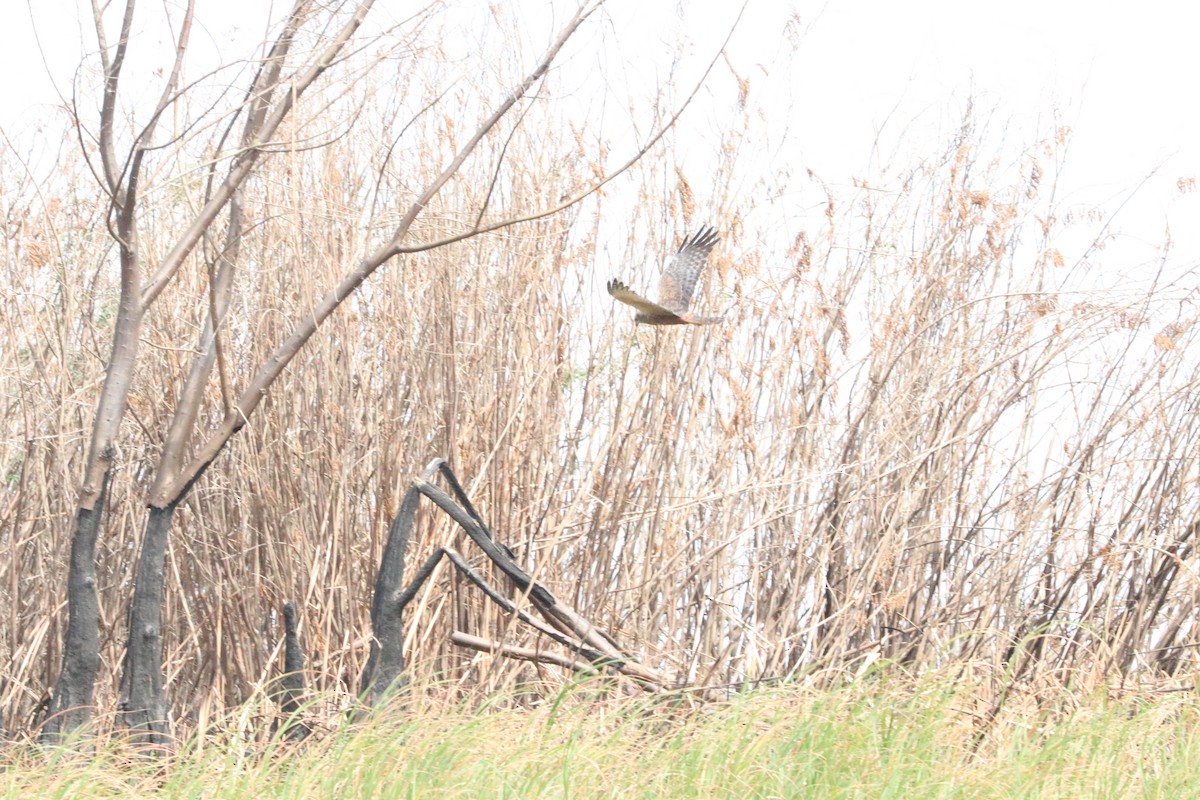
x,y
278,86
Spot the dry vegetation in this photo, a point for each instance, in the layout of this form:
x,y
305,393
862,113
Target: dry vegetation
x,y
918,436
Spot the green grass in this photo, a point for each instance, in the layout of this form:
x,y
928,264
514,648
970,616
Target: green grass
x,y
873,739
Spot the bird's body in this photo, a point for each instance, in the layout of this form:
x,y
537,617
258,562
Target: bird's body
x,y
676,287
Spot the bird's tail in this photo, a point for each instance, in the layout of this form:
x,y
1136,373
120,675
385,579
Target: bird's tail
x,y
694,320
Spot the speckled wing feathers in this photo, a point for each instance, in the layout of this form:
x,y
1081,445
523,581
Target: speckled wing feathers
x,y
676,287
679,279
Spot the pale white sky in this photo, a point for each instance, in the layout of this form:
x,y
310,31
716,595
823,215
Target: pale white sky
x,y
1123,77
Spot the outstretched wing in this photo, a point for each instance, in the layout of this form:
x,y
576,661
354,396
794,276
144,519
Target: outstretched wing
x,y
632,298
683,271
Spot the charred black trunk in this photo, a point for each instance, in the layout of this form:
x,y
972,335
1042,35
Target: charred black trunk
x,y
385,664
291,683
72,704
143,703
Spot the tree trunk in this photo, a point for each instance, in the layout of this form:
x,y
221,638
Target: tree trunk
x,y
143,703
385,664
71,706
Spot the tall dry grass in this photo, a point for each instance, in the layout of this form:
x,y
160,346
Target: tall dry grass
x,y
918,436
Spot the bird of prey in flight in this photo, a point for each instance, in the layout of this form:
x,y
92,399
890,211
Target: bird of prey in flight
x,y
676,286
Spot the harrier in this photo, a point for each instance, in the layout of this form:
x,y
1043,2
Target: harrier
x,y
676,286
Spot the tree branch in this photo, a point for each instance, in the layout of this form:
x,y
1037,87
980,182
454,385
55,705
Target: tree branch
x,y
250,153
653,140
253,394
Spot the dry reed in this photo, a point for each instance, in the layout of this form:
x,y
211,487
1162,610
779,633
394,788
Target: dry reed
x,y
908,441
